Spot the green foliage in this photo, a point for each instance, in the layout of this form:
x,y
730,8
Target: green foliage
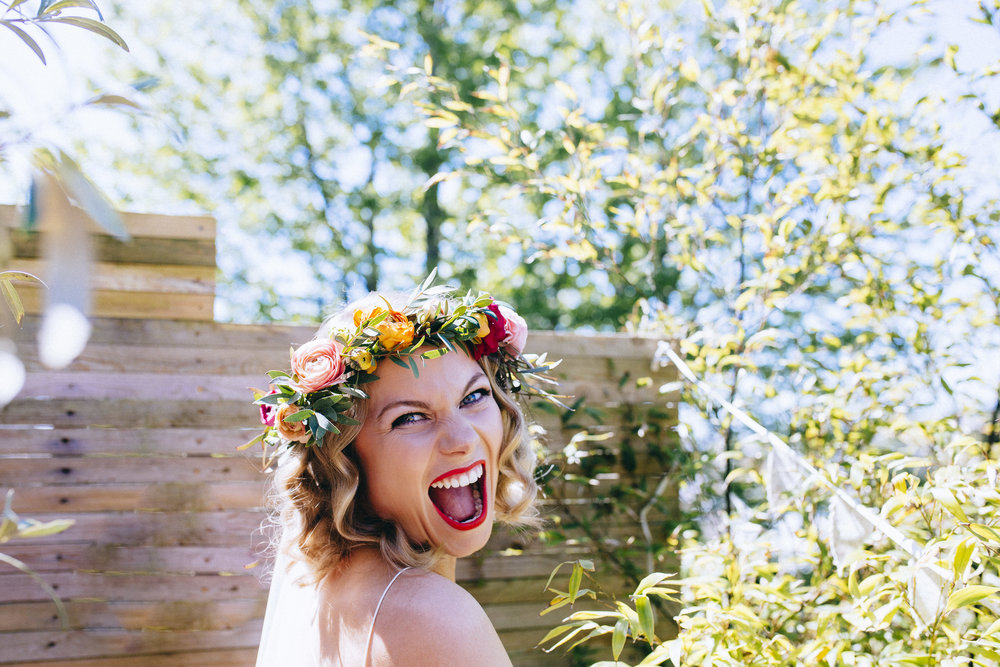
x,y
15,18
786,208
12,527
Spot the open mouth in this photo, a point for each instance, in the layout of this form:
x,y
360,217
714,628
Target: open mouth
x,y
459,496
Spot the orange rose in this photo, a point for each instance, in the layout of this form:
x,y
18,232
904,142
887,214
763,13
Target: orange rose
x,y
394,331
290,431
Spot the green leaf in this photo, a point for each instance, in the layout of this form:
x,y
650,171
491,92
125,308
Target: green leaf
x,y
647,619
13,300
113,100
22,276
60,5
650,580
299,416
93,26
40,529
963,553
87,196
574,581
984,532
324,424
354,392
60,608
618,637
435,353
969,595
26,38
950,503
251,443
399,362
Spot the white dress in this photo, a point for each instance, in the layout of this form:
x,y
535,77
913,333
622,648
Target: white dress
x,y
290,636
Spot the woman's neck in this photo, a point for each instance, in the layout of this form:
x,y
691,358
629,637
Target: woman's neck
x,y
371,557
445,566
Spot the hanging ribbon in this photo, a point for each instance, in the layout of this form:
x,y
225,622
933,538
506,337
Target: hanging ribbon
x,y
789,455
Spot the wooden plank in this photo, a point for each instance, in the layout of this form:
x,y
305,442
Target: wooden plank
x,y
192,471
138,277
158,615
187,334
236,657
180,251
586,348
132,587
149,305
89,441
158,496
82,413
48,385
138,224
162,529
156,358
519,616
167,412
37,646
153,385
102,557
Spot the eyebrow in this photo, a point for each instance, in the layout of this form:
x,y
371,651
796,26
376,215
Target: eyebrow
x,y
405,402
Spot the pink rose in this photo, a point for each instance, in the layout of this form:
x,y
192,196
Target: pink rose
x,y
318,364
291,431
516,331
491,341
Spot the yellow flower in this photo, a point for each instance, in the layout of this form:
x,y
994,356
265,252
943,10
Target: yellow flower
x,y
484,325
362,359
394,331
395,334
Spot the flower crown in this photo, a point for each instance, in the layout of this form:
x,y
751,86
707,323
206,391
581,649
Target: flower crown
x,y
326,377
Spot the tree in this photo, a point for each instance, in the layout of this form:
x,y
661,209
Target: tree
x,y
836,270
286,132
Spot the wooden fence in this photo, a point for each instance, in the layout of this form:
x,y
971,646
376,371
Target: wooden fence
x,y
136,442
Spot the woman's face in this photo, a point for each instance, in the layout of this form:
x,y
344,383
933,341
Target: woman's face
x,y
429,447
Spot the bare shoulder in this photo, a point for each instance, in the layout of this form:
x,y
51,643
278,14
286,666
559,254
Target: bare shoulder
x,y
429,620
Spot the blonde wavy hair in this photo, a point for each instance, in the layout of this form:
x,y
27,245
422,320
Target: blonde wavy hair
x,y
318,500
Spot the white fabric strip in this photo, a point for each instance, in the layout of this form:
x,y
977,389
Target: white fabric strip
x,y
371,631
877,522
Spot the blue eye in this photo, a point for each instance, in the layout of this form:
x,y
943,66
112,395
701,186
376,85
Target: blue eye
x,y
476,396
408,418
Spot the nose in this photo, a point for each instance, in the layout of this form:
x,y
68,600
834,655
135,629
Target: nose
x,y
457,436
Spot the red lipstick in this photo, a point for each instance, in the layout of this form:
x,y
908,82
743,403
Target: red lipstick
x,y
447,504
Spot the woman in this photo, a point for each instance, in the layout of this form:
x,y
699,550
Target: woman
x,y
402,443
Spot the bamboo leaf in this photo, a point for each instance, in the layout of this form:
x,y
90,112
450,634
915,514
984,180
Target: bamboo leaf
x,y
13,300
93,26
574,581
60,5
60,607
618,637
44,529
969,595
26,38
647,618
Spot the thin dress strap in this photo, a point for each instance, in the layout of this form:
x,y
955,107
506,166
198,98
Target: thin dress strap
x,y
371,631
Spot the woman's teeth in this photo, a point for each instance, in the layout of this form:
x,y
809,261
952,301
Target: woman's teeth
x,y
463,479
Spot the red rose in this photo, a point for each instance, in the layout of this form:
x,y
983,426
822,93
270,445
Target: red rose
x,y
490,343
